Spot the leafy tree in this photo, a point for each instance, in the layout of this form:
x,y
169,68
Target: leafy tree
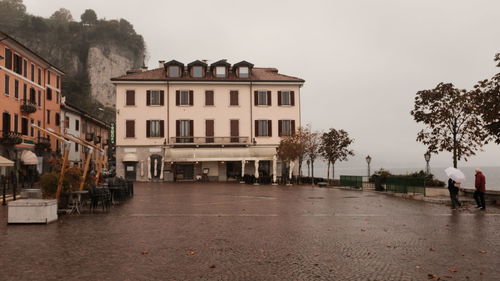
x,y
292,148
487,95
62,16
12,13
335,147
89,17
451,122
312,149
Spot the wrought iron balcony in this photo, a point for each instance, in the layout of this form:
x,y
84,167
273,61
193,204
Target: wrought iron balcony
x,y
209,141
11,138
28,106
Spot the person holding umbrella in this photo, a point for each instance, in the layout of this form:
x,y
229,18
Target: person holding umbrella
x,y
480,190
455,178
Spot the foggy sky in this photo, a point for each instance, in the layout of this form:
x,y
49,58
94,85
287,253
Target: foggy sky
x,y
363,61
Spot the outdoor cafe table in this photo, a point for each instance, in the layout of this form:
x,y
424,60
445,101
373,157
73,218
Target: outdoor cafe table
x,y
76,199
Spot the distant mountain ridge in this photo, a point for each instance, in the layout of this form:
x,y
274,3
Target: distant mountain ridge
x,y
90,51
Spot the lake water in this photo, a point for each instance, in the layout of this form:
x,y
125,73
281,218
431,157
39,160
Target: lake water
x,y
492,173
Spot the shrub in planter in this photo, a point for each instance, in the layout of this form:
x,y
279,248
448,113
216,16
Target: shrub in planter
x,y
48,182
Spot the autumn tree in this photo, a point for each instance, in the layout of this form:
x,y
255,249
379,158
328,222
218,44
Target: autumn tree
x,y
487,96
89,17
312,149
290,149
335,147
451,122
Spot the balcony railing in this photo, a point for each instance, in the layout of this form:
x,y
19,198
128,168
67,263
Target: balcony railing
x,y
209,140
28,106
10,138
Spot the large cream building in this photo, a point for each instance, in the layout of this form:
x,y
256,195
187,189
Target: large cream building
x,y
212,122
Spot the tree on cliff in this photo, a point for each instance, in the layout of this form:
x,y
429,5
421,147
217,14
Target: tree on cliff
x,y
11,14
62,16
335,147
487,95
452,124
89,17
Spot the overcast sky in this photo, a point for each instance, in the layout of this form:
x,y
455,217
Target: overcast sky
x,y
363,61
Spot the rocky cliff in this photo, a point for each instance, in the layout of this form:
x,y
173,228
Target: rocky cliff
x,y
103,63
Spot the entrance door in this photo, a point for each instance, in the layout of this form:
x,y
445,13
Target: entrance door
x,y
156,166
233,170
184,172
130,171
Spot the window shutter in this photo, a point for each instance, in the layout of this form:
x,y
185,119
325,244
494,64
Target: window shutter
x,y
293,127
269,128
235,128
292,97
162,128
130,97
280,127
177,128
256,98
191,97
148,97
191,128
148,128
177,97
130,129
256,128
269,98
209,128
162,97
279,98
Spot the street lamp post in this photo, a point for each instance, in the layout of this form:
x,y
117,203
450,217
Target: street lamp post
x,y
427,157
368,161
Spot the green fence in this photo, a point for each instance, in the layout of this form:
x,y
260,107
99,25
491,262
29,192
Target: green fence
x,y
405,185
351,181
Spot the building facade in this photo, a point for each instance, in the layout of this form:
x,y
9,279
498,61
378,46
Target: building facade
x,y
215,122
31,94
80,124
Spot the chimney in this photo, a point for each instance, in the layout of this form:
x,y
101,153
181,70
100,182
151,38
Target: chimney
x,y
161,63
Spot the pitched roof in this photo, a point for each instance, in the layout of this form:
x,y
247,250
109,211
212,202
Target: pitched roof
x,y
197,62
259,74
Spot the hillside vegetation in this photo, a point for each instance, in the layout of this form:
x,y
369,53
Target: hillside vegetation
x,y
66,42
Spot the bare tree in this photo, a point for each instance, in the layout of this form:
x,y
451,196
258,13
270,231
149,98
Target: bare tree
x,y
487,96
451,122
335,147
312,147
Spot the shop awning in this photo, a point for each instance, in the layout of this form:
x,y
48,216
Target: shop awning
x,y
130,157
29,158
219,154
4,162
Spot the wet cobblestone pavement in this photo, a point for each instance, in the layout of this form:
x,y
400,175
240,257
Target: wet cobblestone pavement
x,y
244,232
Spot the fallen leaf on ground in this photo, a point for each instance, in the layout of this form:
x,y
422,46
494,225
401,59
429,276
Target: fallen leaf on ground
x,y
418,267
211,266
448,276
430,249
482,252
331,260
453,270
433,276
191,253
363,229
145,252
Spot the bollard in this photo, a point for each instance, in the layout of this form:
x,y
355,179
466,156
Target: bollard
x,y
14,189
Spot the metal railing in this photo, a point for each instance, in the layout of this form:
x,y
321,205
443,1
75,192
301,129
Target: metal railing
x,y
10,137
209,140
352,181
405,185
28,106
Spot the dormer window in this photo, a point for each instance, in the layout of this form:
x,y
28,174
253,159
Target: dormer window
x,y
220,72
243,72
197,71
173,71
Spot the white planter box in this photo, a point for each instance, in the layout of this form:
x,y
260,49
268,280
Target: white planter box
x,y
32,211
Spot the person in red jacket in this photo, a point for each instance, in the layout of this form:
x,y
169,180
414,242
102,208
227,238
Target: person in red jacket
x,y
480,190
